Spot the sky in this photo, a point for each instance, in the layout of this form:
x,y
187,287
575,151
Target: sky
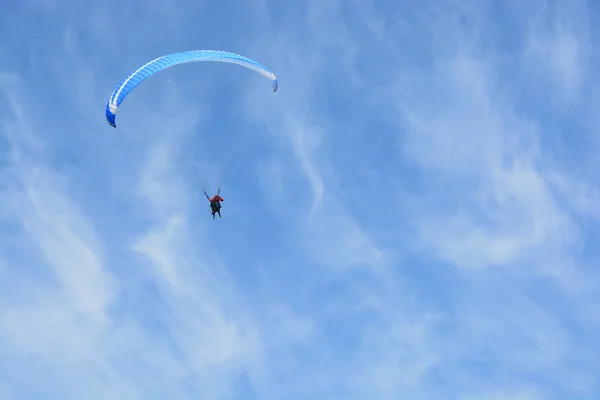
x,y
414,214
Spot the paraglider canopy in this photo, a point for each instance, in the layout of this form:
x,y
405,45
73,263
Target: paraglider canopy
x,y
161,63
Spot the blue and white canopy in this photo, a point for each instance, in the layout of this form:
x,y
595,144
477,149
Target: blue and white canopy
x,y
157,65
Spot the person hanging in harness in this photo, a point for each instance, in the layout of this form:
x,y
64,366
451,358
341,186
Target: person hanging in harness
x,y
215,203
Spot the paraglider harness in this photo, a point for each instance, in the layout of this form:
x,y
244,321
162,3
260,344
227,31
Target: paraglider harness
x,y
215,203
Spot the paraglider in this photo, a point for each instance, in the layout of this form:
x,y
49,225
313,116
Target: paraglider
x,y
215,203
161,63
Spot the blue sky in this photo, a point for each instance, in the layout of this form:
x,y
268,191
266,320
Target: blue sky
x,y
413,215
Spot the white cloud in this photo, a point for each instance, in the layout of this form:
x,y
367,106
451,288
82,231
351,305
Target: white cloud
x,y
558,43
